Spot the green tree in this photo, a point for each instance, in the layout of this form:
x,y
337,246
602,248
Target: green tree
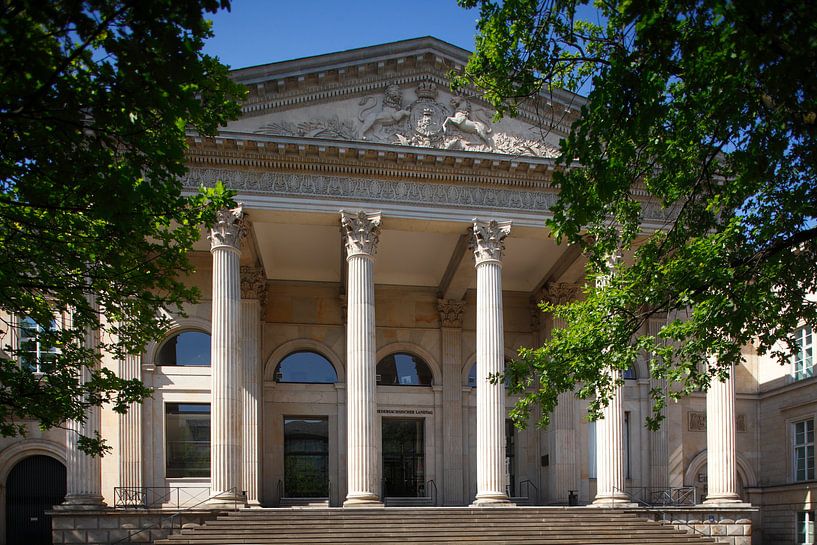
x,y
707,107
95,100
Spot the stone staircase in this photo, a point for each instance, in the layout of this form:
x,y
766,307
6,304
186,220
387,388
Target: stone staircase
x,y
437,525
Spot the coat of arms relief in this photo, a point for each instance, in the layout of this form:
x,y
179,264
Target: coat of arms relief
x,y
423,122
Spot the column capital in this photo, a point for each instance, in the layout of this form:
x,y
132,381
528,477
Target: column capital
x,y
559,293
361,232
450,312
229,228
487,240
253,283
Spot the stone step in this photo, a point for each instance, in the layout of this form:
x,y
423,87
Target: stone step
x,y
411,525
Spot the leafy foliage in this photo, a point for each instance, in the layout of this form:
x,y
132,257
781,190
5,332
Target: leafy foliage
x,y
95,99
708,108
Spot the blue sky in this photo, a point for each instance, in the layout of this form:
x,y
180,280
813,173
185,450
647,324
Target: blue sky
x,y
264,31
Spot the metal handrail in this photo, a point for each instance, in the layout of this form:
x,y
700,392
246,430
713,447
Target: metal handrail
x,y
665,496
529,484
659,511
434,491
145,497
178,513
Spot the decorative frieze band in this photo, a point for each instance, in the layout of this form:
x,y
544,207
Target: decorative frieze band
x,y
450,312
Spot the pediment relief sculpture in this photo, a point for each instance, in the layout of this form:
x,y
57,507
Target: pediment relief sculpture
x,y
427,121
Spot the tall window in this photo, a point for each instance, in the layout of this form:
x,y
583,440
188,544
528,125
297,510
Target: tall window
x,y
804,450
402,369
805,528
35,352
188,348
187,426
306,367
804,357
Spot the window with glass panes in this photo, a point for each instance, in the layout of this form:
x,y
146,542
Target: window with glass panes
x,y
804,357
35,352
187,428
805,528
804,450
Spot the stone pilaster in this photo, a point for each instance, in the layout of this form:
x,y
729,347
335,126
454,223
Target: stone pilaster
x,y
562,433
721,462
225,360
659,441
488,246
253,291
361,232
451,337
130,429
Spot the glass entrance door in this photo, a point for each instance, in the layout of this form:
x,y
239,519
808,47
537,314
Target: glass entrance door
x,y
403,457
306,457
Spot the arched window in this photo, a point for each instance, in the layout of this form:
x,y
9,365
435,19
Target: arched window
x,y
630,374
188,348
401,369
307,368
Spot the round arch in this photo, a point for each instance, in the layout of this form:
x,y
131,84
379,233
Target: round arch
x,y
745,472
298,345
177,325
425,355
472,359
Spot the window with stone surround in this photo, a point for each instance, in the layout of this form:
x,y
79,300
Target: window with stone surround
x,y
306,367
803,358
187,428
805,528
35,353
401,369
803,432
187,348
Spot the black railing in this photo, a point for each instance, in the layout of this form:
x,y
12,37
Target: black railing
x,y
431,491
169,521
525,491
657,509
157,497
663,496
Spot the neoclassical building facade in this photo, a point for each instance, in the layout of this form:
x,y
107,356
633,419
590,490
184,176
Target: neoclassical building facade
x,y
387,257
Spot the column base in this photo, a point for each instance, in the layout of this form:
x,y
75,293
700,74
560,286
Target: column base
x,y
730,500
614,500
82,502
226,500
489,499
363,500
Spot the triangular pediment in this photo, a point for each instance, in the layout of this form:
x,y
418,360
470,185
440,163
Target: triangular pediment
x,y
393,94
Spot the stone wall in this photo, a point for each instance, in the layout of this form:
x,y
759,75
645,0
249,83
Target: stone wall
x,y
106,527
732,526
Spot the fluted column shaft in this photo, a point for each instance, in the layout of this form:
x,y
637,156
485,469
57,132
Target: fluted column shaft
x,y
361,232
720,441
251,401
130,429
226,364
488,248
451,344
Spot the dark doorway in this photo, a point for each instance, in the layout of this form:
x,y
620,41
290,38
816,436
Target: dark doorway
x,y
306,457
403,458
34,485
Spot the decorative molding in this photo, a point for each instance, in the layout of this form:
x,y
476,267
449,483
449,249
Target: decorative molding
x,y
403,192
487,240
559,293
229,228
361,231
253,283
450,312
696,421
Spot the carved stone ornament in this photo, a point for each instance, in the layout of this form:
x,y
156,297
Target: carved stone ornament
x,y
488,238
229,228
450,312
559,293
253,283
361,231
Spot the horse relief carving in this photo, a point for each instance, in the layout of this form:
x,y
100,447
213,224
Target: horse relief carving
x,y
461,120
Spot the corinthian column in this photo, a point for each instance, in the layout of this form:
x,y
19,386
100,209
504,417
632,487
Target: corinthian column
x,y
361,233
721,469
488,246
84,472
226,362
253,292
130,429
609,437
